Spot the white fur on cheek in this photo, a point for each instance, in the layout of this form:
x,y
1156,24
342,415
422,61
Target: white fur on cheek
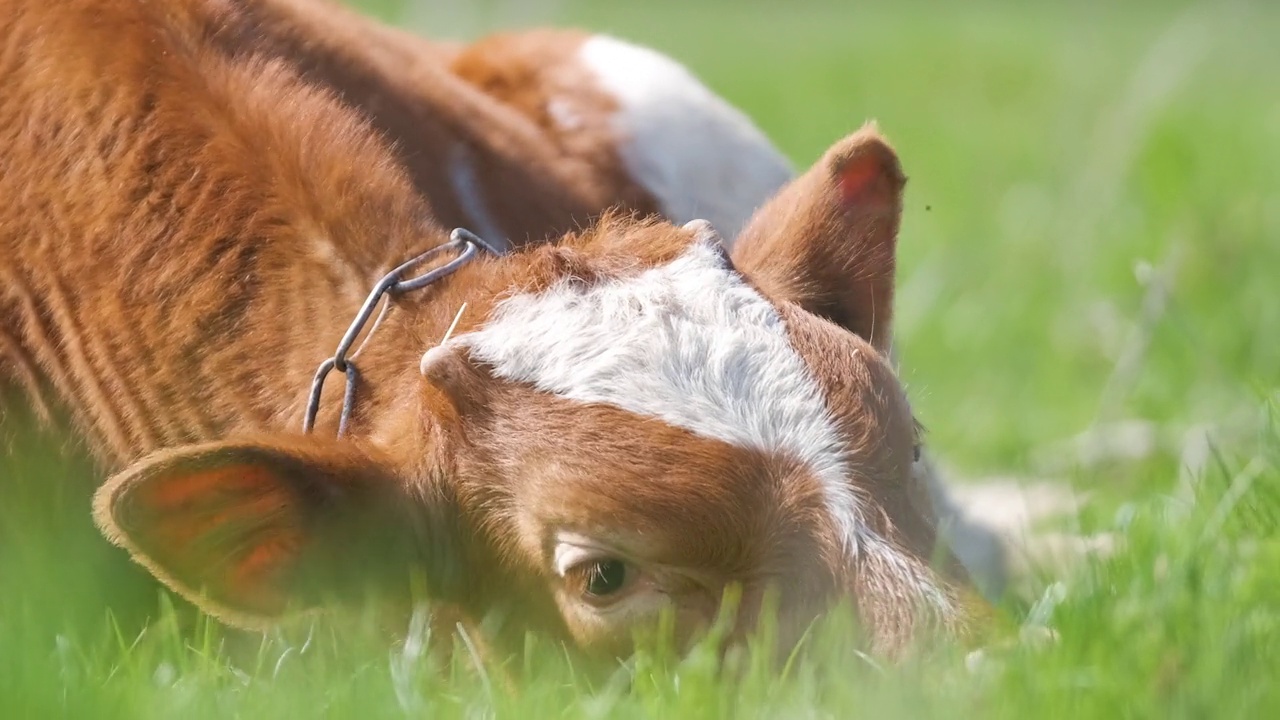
x,y
699,156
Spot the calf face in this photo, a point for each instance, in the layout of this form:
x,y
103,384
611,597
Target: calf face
x,y
636,418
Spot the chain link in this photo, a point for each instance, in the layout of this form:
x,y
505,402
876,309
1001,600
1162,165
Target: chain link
x,y
390,286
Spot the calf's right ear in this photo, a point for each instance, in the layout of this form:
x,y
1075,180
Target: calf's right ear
x,y
248,529
828,240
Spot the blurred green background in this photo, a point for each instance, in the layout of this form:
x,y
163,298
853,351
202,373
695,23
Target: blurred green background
x,y
1087,293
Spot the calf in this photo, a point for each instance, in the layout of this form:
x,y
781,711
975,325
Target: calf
x,y
574,436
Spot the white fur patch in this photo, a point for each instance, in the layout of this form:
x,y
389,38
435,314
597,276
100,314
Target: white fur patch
x,y
689,343
697,155
572,550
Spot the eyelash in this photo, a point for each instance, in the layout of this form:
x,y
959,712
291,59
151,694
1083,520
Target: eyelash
x,y
585,573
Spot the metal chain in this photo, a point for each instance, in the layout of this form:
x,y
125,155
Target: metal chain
x,y
390,285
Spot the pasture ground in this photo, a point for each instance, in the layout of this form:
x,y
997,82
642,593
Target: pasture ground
x,y
1088,269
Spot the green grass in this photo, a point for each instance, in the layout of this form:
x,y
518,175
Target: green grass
x,y
1092,226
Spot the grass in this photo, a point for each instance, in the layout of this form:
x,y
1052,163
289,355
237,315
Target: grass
x,y
1090,246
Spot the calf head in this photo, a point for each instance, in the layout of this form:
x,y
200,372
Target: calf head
x,y
638,417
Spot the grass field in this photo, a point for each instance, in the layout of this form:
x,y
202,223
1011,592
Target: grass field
x,y
1092,223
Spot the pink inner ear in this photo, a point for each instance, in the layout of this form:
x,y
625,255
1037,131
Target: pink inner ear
x,y
858,180
254,580
231,531
203,486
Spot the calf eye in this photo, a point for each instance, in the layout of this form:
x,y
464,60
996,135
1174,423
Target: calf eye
x,y
606,577
915,451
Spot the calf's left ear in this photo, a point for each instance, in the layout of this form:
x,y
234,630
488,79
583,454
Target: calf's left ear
x,y
247,529
828,240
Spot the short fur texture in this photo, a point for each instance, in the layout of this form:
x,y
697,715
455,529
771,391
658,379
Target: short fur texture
x,y
688,343
199,194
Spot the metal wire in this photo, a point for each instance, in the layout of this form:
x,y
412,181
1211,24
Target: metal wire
x,y
390,285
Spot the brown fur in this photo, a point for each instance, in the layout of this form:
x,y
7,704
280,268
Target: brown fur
x,y
529,71
414,93
228,64
855,192
538,189
193,215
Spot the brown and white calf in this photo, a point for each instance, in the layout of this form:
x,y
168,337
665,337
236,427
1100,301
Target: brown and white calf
x,y
636,416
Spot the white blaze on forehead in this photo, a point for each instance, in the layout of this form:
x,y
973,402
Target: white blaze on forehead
x,y
688,343
699,156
